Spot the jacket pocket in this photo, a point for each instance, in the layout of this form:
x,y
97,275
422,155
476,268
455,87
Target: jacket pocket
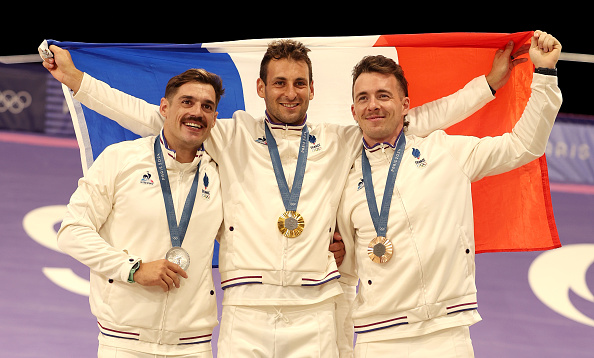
x,y
467,250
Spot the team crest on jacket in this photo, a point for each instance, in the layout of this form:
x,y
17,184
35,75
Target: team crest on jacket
x,y
261,140
314,147
146,179
360,185
205,191
419,162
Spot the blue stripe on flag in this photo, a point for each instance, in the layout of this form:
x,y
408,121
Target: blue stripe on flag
x,y
143,70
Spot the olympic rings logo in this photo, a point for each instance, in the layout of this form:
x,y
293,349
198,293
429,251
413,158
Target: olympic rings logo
x,y
13,102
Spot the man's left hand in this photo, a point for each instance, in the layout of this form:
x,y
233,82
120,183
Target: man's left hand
x,y
544,50
337,248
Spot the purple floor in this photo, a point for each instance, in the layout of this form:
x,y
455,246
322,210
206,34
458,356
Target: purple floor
x,y
41,319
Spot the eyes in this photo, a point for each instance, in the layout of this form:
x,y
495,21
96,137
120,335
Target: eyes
x,y
187,102
280,83
381,96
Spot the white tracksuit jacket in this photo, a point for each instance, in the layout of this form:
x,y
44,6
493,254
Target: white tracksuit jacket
x,y
429,283
258,265
117,217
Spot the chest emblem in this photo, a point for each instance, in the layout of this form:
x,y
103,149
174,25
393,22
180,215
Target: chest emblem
x,y
360,185
261,140
205,191
146,179
419,162
314,147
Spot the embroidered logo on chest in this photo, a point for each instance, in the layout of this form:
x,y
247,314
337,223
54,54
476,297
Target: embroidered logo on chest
x,y
146,179
360,185
261,140
205,191
419,162
314,147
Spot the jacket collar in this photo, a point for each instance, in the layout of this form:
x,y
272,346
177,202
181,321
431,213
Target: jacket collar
x,y
378,146
291,127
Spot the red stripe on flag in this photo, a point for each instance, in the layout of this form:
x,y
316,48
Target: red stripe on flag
x,y
512,211
454,39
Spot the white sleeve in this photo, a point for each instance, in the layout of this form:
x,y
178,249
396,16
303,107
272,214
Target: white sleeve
x,y
480,157
447,111
128,111
89,208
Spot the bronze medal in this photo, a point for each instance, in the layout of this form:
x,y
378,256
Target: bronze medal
x,y
380,250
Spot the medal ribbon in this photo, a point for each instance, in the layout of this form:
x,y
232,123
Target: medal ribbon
x,y
290,197
380,220
177,232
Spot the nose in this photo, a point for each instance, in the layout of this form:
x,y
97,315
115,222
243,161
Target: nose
x,y
196,111
372,105
291,92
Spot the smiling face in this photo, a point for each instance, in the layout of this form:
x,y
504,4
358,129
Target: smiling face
x,y
287,90
379,107
190,113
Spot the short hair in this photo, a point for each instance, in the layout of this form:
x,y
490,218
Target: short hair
x,y
380,64
385,65
289,49
195,75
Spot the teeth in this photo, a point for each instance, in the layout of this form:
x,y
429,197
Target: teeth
x,y
289,105
193,125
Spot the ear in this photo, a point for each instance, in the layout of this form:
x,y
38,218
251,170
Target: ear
x,y
214,121
405,105
260,87
353,112
164,107
311,90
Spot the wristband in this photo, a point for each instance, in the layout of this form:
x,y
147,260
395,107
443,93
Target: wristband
x,y
132,270
546,71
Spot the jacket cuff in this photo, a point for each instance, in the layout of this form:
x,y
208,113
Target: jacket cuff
x,y
127,267
83,91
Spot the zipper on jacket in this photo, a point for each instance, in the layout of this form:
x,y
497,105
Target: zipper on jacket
x,y
284,262
383,146
423,292
162,328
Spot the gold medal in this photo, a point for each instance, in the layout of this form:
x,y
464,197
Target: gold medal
x,y
380,250
291,224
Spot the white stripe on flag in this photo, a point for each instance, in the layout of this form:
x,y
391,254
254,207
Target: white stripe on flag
x,y
80,129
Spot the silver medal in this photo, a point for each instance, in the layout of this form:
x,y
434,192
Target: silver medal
x,y
178,256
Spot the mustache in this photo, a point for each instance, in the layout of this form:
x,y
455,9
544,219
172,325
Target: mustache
x,y
195,119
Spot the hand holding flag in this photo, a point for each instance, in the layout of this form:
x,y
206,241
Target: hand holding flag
x,y
544,50
62,68
503,64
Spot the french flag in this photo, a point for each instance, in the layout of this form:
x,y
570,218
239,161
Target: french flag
x,y
512,211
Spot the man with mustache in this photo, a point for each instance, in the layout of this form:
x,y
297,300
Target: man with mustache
x,y
152,291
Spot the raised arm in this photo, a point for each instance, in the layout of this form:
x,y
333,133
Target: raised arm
x,y
447,111
130,112
528,139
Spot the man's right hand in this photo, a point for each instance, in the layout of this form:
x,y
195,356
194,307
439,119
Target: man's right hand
x,y
160,273
63,69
